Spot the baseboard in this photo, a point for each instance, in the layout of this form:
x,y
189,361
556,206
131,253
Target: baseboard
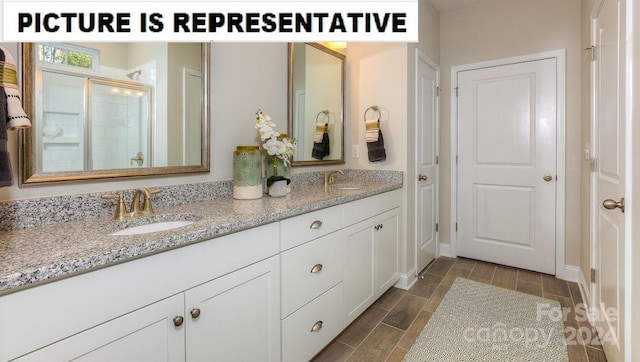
x,y
571,273
406,281
445,250
584,289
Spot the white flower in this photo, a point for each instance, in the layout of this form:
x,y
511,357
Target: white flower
x,y
267,132
274,143
263,120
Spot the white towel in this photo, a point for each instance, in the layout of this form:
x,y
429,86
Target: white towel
x,y
321,127
373,126
16,118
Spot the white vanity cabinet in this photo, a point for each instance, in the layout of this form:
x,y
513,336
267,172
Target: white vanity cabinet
x,y
144,310
371,258
326,271
277,292
311,264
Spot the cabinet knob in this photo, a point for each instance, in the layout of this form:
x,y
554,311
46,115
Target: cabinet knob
x,y
316,225
195,313
177,321
317,326
316,268
423,177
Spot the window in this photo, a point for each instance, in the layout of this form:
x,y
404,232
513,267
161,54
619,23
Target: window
x,y
70,55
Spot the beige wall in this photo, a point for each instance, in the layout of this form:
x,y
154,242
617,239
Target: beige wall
x,y
497,29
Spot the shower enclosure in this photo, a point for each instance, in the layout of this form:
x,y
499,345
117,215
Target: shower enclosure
x,y
92,123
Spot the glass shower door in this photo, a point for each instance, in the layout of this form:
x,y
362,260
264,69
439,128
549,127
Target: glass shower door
x,y
120,130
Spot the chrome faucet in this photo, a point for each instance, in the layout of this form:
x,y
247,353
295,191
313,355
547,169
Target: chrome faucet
x,y
330,177
139,196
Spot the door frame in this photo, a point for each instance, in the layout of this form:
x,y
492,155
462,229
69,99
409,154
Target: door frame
x,y
418,57
560,56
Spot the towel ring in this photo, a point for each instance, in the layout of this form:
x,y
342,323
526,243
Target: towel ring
x,y
375,109
326,116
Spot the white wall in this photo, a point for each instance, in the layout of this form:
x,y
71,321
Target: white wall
x,y
503,28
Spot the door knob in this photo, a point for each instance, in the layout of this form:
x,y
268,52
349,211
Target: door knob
x,y
422,177
612,204
547,178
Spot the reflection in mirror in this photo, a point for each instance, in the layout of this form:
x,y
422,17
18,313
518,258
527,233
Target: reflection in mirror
x,y
316,103
103,110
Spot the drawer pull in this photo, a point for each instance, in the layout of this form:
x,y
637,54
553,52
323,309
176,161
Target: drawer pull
x,y
316,268
316,225
195,313
177,321
317,326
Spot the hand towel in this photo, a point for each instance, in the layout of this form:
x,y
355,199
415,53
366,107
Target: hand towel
x,y
6,177
321,128
376,149
15,117
372,128
321,149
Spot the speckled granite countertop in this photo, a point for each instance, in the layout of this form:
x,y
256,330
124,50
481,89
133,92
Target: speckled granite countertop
x,y
29,257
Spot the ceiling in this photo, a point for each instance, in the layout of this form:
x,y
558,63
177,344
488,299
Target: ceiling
x,y
448,5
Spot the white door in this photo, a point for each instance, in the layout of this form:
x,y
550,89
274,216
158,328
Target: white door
x,y
427,81
506,156
608,130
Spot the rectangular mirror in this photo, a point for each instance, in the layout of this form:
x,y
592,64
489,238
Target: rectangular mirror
x,y
316,103
106,110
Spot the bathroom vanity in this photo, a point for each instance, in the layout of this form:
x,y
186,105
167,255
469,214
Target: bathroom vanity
x,y
278,285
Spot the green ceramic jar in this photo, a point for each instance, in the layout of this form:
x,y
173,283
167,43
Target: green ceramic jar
x,y
247,173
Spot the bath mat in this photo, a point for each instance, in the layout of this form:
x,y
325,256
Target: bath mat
x,y
480,322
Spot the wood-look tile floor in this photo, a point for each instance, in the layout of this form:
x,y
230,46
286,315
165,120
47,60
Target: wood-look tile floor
x,y
387,330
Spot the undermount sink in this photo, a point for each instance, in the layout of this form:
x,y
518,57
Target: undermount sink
x,y
153,227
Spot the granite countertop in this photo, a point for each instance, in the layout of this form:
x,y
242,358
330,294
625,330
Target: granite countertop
x,y
33,256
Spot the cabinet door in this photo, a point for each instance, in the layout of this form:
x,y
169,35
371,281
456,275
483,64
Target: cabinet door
x,y
386,235
359,290
238,316
147,334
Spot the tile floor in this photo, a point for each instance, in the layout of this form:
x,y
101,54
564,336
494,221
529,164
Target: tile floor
x,y
386,330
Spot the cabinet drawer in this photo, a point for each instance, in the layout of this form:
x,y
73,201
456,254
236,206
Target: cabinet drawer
x,y
299,341
368,207
309,270
300,229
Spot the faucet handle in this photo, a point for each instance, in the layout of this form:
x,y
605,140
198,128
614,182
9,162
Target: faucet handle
x,y
147,209
121,209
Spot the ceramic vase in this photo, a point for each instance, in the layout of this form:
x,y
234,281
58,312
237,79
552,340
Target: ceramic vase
x,y
247,173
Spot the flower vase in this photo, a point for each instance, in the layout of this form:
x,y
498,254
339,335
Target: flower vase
x,y
278,188
275,166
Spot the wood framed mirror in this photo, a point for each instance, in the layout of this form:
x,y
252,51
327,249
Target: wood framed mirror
x,y
110,110
316,87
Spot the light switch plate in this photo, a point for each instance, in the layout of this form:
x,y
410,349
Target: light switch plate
x,y
355,151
